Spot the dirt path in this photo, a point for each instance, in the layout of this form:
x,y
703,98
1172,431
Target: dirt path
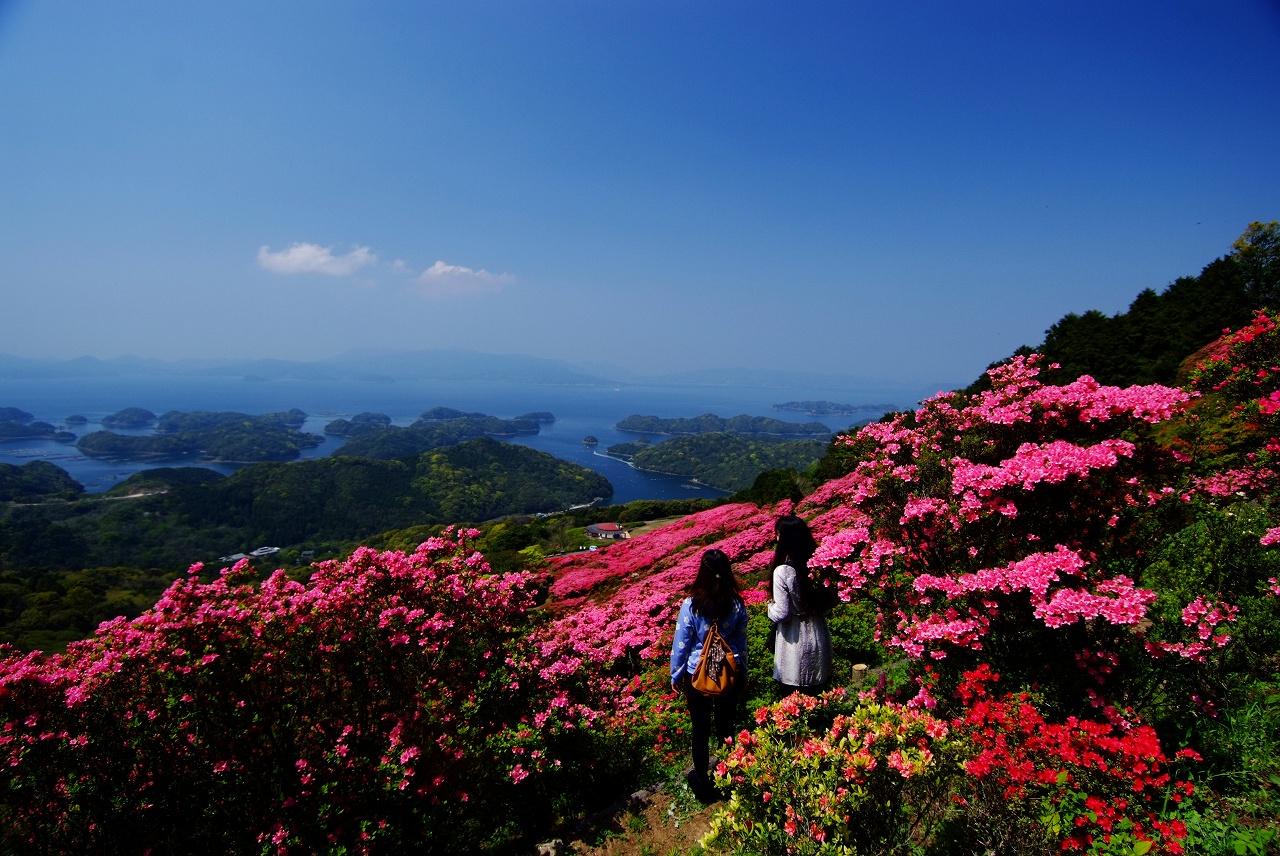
x,y
667,826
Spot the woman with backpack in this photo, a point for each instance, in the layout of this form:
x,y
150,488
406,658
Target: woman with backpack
x,y
709,659
802,643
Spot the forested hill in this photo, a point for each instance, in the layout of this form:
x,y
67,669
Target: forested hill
x,y
181,518
1147,342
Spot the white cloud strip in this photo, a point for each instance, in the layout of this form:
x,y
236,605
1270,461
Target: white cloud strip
x,y
313,258
443,278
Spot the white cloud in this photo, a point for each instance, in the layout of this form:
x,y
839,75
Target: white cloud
x,y
313,258
443,278
400,266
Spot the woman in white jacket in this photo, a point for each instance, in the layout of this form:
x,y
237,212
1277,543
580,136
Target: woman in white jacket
x,y
802,645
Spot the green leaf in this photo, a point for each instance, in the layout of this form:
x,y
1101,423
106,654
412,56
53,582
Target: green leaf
x,y
1141,847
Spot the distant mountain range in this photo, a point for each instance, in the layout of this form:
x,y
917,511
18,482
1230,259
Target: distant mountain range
x,y
368,365
387,366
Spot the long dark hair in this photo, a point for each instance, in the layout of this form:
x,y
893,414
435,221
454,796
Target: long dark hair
x,y
795,547
715,589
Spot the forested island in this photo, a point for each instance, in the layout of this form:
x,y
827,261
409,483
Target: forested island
x,y
831,408
16,424
11,429
356,424
438,427
709,423
213,436
130,417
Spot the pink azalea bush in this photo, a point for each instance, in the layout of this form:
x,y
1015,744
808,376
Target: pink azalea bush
x,y
389,699
1001,524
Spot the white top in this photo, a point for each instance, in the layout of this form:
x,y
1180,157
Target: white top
x,y
802,649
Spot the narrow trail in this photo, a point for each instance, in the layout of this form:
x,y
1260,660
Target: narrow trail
x,y
142,494
665,825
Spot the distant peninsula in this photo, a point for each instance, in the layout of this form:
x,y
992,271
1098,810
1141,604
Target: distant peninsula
x,y
832,408
709,423
721,460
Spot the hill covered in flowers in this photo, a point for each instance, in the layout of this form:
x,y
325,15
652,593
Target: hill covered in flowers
x,y
1072,588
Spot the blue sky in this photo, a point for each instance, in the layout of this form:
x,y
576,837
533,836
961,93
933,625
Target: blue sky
x,y
903,191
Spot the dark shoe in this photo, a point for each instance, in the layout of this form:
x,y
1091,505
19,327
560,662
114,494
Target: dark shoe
x,y
702,788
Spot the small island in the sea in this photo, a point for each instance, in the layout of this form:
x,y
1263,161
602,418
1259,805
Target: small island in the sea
x,y
831,408
130,417
591,440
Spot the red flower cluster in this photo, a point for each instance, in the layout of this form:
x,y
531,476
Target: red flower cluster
x,y
1115,770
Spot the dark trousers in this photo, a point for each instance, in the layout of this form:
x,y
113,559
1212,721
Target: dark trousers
x,y
701,709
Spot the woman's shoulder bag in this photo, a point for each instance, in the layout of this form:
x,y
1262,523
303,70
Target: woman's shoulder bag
x,y
718,670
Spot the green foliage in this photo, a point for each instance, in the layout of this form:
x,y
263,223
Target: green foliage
x,y
37,481
1257,252
1218,552
47,611
626,451
309,503
727,461
164,478
773,486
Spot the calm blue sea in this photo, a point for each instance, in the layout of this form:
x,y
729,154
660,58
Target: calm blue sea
x,y
579,411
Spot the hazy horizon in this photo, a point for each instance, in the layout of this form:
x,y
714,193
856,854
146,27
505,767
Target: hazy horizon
x,y
905,194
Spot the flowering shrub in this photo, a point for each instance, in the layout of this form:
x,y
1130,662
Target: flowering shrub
x,y
1097,786
1244,365
1001,525
385,701
817,774
1239,375
860,775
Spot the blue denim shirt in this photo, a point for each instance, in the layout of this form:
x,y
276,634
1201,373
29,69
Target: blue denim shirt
x,y
691,631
